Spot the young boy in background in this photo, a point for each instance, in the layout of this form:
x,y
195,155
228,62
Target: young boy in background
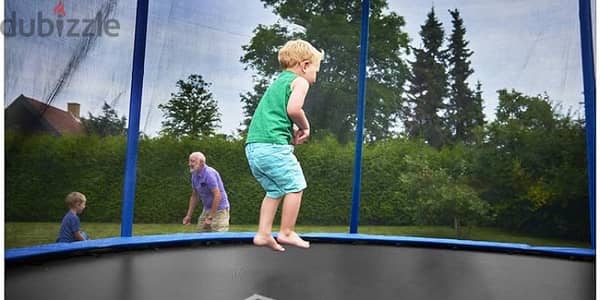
x,y
70,227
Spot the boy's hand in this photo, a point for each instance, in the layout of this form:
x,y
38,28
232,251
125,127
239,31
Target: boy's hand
x,y
300,136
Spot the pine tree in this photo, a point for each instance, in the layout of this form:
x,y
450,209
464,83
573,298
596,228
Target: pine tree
x,y
192,111
476,113
428,86
106,124
465,112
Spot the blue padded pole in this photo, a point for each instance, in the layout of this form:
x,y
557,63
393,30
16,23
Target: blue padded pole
x,y
135,103
589,92
360,113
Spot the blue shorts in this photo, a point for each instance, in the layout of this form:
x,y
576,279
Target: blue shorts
x,y
276,168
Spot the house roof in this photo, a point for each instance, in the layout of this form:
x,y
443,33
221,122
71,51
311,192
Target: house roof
x,y
62,121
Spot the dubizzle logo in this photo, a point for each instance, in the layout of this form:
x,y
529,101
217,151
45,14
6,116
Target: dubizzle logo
x,y
59,25
59,9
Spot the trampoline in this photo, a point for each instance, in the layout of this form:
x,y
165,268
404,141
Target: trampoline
x,y
337,266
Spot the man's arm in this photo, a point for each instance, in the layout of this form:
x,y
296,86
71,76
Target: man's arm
x,y
191,207
216,201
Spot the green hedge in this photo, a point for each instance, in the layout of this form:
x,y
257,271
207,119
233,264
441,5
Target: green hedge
x,y
42,170
403,183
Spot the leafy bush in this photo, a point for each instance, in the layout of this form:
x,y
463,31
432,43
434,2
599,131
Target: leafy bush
x,y
404,182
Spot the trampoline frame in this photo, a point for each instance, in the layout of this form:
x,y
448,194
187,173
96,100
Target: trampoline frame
x,y
17,255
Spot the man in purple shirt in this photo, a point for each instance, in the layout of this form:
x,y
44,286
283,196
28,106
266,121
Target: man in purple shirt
x,y
208,187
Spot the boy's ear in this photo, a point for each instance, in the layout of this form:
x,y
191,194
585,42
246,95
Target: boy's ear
x,y
304,64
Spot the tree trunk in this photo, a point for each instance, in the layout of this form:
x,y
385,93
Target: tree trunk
x,y
457,227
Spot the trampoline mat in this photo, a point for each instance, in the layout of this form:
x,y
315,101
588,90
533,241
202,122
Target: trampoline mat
x,y
325,271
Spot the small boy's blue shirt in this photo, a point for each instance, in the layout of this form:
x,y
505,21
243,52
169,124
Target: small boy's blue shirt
x,y
70,224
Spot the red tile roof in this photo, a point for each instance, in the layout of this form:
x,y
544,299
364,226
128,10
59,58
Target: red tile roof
x,y
62,121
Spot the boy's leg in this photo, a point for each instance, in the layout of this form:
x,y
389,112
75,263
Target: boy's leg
x,y
265,224
289,214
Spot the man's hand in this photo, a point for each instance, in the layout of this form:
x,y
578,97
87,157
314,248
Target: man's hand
x,y
187,220
207,222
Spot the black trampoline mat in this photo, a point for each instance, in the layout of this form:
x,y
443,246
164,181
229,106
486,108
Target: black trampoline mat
x,y
325,271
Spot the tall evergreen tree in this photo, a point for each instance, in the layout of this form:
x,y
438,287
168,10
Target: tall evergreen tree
x,y
106,124
465,111
428,85
334,25
477,116
192,111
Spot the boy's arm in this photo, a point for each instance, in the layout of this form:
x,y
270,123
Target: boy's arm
x,y
78,236
75,226
294,108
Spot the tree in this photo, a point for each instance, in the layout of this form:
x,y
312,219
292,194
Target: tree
x,y
438,197
465,111
428,86
334,25
533,168
106,124
192,111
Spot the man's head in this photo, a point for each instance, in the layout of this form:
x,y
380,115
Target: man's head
x,y
196,161
76,200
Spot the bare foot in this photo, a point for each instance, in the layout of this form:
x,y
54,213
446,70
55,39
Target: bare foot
x,y
292,239
267,241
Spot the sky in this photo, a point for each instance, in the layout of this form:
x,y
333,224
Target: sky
x,y
529,45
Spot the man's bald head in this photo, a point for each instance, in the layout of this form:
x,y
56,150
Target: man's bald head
x,y
196,161
198,155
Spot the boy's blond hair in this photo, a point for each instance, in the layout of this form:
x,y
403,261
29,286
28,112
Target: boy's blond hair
x,y
297,51
75,198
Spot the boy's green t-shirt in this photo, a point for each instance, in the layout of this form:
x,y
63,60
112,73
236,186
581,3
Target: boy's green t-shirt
x,y
271,123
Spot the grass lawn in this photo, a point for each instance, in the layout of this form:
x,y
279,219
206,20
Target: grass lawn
x,y
28,234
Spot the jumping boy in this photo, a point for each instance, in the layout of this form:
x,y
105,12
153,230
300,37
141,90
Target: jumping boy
x,y
277,125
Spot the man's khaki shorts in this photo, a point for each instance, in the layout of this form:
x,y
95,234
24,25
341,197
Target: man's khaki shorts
x,y
220,221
